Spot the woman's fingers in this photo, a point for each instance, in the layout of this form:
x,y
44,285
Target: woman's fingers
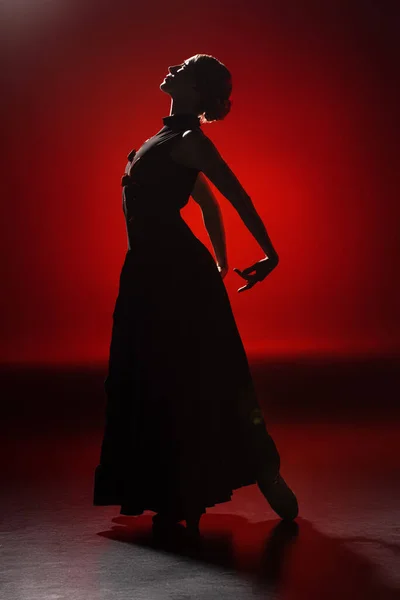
x,y
261,269
250,282
247,286
239,272
249,270
244,274
246,271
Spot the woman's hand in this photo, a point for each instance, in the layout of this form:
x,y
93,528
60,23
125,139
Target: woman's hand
x,y
223,269
262,268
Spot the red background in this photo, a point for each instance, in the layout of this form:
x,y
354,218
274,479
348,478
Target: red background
x,y
311,136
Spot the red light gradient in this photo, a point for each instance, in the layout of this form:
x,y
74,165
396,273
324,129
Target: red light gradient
x,y
311,136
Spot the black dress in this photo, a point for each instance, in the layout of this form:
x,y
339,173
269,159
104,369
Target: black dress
x,y
183,427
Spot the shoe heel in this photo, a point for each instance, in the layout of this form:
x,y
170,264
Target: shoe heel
x,y
280,497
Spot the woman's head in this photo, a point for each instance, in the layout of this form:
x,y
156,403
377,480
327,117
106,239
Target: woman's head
x,y
201,84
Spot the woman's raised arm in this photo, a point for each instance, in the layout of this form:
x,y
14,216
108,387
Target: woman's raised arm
x,y
198,151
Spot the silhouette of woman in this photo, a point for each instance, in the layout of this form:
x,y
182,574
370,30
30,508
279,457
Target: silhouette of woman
x,y
183,427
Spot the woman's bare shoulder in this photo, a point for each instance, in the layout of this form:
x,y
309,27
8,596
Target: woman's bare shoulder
x,y
197,140
195,149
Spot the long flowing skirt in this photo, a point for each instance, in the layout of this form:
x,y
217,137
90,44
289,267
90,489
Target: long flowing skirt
x,y
183,427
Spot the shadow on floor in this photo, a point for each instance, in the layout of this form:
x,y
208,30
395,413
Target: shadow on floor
x,y
294,556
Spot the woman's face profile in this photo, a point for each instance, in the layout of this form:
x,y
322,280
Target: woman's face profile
x,y
180,80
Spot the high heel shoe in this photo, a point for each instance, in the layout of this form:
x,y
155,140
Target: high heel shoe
x,y
279,496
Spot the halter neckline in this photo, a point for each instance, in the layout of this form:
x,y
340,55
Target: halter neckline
x,y
182,121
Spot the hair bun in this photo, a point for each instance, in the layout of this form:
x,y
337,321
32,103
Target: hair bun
x,y
214,85
218,110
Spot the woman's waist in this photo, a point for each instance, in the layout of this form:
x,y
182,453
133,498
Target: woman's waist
x,y
152,202
160,227
148,221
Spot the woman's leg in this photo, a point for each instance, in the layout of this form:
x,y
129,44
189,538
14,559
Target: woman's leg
x,y
266,457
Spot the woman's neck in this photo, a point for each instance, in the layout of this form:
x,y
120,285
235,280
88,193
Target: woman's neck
x,y
182,107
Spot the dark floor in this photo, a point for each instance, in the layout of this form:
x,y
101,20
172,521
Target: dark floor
x,y
336,424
